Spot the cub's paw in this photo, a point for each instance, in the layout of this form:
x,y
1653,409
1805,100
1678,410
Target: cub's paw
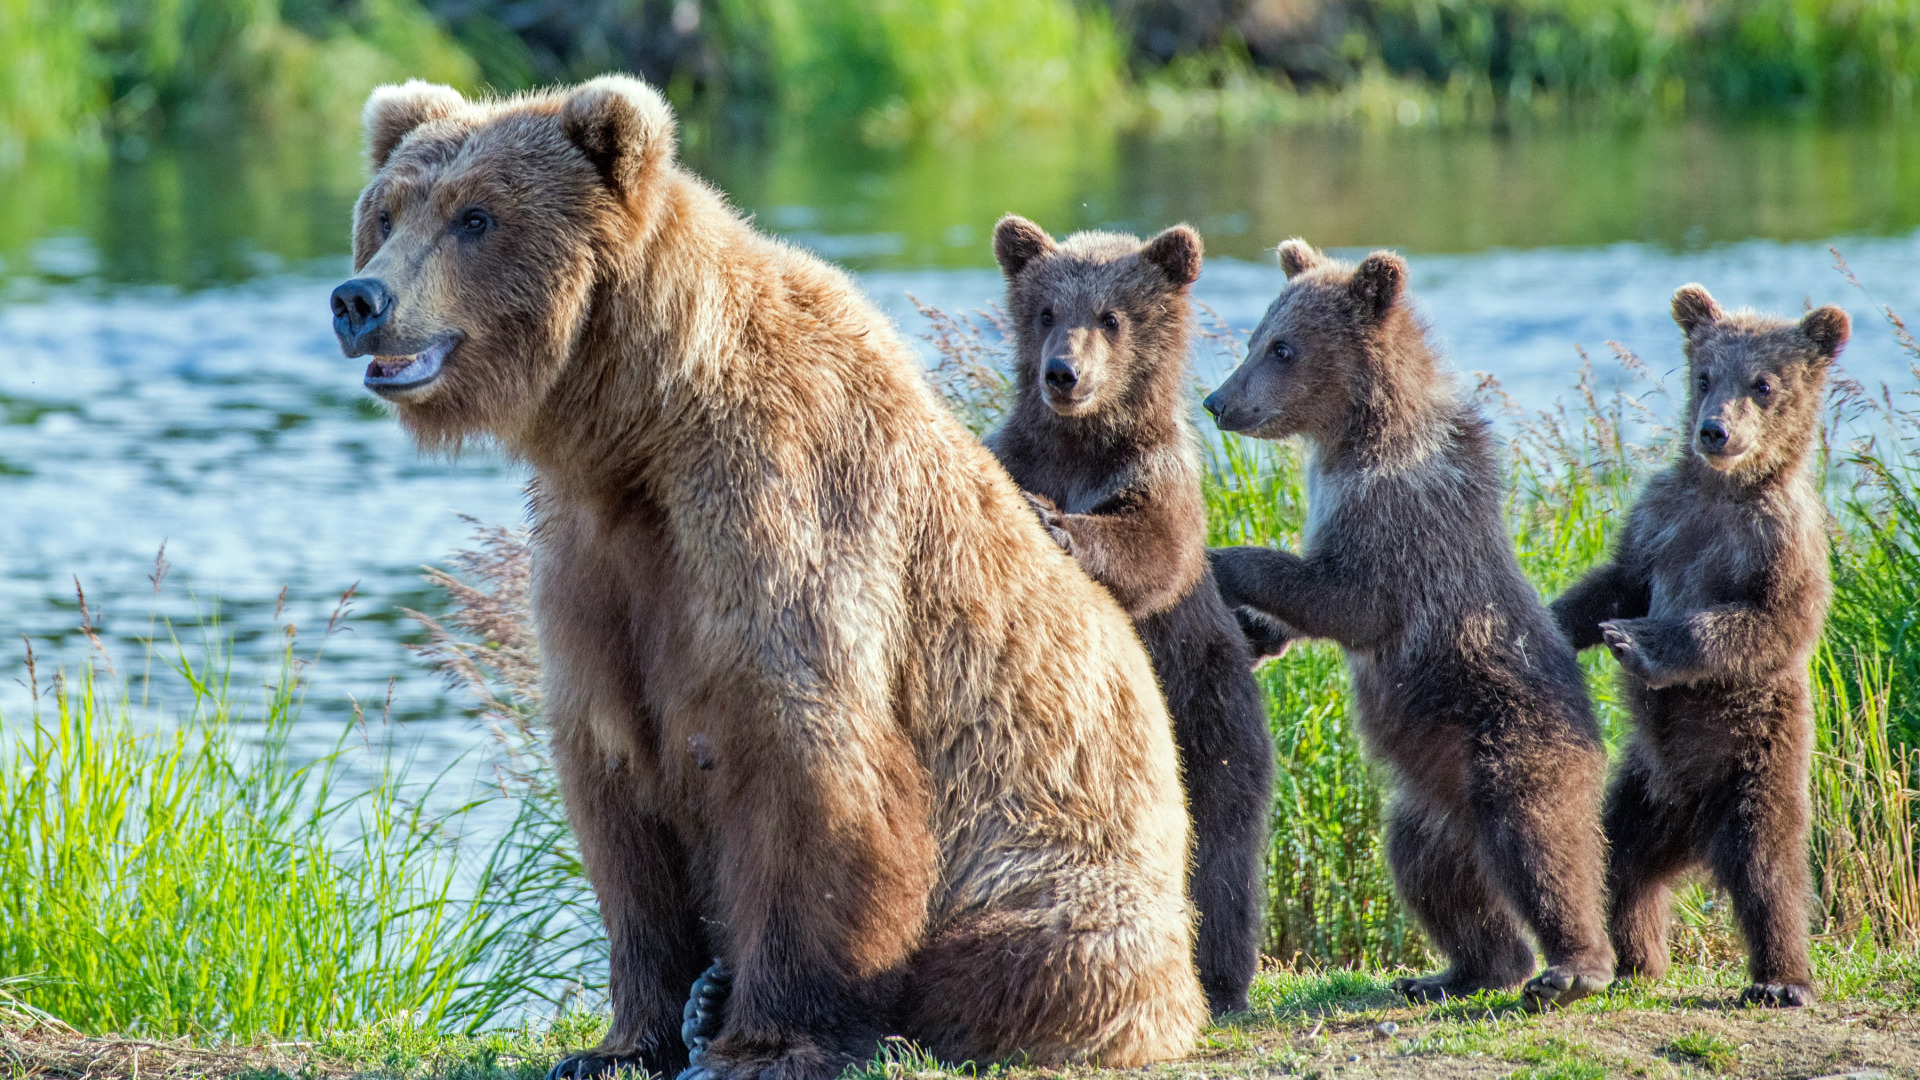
x,y
1778,995
592,1064
700,1020
1560,985
1627,649
1049,515
1267,637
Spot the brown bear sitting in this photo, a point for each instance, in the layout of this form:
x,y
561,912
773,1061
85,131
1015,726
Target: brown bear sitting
x,y
827,701
1099,434
1463,685
1713,603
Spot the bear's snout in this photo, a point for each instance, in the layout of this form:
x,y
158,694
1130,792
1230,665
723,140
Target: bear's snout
x,y
1060,375
360,309
1713,437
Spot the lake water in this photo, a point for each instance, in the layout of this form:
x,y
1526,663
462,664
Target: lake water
x,y
168,372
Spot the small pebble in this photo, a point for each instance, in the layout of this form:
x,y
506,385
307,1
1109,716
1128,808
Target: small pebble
x,y
1353,1057
1385,1029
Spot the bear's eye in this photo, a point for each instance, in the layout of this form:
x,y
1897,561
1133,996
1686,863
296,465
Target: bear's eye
x,y
1763,387
386,224
1110,322
1704,380
1046,317
1282,351
475,221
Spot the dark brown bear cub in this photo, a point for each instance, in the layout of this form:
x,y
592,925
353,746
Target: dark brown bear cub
x,y
1099,438
1712,604
1464,687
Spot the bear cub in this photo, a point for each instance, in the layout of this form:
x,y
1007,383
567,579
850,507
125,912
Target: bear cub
x,y
1712,603
1099,438
1463,686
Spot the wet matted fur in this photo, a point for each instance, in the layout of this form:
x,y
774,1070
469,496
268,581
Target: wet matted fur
x,y
1099,434
1712,603
807,648
1463,685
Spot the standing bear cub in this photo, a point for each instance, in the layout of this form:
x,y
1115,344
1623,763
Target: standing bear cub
x,y
1712,604
1464,687
828,704
1099,437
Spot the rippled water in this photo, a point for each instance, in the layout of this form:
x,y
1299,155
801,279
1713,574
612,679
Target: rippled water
x,y
168,373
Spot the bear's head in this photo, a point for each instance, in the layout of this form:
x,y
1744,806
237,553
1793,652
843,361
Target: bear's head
x,y
1097,316
1327,344
1755,382
478,242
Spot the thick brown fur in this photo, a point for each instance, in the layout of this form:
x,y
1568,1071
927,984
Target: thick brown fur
x,y
1712,603
1116,474
827,701
1462,683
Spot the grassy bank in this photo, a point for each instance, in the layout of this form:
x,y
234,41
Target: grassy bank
x,y
901,68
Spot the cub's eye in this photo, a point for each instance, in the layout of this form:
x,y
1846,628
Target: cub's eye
x,y
474,222
1763,387
1110,322
1704,380
1282,351
386,224
1046,317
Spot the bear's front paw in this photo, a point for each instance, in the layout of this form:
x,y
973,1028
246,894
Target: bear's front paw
x,y
1778,995
1629,650
1267,637
700,1020
1561,985
797,1062
592,1064
1050,519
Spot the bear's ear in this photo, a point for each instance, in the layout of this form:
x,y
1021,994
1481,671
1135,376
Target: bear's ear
x,y
1694,308
393,112
1378,282
623,126
1828,328
1296,255
1017,242
1176,252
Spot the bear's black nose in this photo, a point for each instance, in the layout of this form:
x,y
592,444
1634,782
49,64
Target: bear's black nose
x,y
1713,436
1212,404
360,307
1060,374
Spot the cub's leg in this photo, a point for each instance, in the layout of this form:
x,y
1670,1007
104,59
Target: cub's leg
x,y
639,873
1089,965
1534,818
821,867
1759,855
1648,847
1227,756
1437,871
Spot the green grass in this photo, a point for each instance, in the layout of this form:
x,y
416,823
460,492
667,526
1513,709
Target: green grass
x,y
1710,1051
194,878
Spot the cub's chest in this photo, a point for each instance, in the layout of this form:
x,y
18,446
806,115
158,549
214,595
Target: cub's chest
x,y
1691,567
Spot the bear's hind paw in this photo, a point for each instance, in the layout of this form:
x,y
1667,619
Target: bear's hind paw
x,y
1778,995
700,1020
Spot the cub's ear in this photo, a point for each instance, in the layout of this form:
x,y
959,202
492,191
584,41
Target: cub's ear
x,y
1017,242
1828,328
1297,255
1176,252
392,112
623,126
1378,282
1694,308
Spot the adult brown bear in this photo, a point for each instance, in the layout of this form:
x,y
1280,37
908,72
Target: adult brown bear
x,y
827,702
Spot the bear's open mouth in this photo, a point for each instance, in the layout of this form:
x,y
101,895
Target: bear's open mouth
x,y
392,375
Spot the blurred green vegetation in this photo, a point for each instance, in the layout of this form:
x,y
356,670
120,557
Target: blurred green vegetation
x,y
894,69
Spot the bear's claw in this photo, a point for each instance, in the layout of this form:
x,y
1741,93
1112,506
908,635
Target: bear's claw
x,y
590,1064
1778,995
1559,986
700,1020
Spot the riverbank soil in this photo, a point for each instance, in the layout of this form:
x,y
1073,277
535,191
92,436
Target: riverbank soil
x,y
1337,1026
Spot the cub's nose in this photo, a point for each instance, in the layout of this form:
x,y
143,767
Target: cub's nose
x,y
1212,404
1713,436
1060,374
360,307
